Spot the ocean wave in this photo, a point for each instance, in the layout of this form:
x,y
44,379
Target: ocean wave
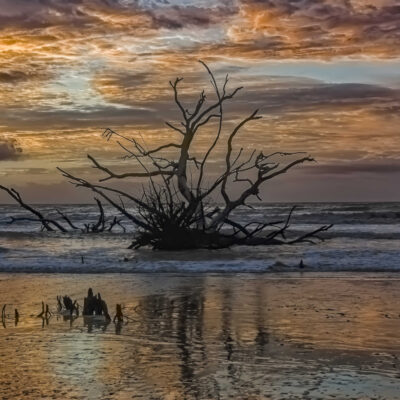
x,y
365,237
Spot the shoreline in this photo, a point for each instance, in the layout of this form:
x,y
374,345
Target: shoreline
x,y
294,273
201,336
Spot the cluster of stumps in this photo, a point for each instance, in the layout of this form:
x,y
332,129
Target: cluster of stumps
x,y
4,316
92,306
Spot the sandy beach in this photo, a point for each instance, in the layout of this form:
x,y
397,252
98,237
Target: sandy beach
x,y
205,336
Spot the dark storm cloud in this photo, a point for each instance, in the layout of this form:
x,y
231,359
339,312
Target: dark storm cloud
x,y
323,28
177,17
383,167
269,93
319,96
253,28
43,13
90,117
40,13
9,149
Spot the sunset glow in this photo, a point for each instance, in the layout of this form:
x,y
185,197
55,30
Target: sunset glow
x,y
324,74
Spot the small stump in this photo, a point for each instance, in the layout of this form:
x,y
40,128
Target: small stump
x,y
95,305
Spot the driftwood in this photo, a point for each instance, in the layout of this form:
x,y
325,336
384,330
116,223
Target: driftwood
x,y
65,302
95,305
3,315
45,313
118,316
175,211
51,224
175,238
48,224
41,314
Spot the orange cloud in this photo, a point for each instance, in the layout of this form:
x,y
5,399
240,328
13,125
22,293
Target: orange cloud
x,y
321,29
70,69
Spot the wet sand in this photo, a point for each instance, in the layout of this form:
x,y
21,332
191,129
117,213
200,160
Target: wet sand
x,y
205,336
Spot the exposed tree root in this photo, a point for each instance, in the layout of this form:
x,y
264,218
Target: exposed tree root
x,y
197,239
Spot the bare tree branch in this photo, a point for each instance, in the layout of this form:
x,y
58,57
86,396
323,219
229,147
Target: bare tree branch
x,y
112,175
45,221
176,209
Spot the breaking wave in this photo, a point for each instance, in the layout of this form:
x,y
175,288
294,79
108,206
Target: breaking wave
x,y
365,237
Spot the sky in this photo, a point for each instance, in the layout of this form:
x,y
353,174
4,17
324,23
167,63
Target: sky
x,y
325,75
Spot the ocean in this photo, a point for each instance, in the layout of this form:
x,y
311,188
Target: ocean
x,y
365,237
239,323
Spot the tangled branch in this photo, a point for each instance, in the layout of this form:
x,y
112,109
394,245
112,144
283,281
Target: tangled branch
x,y
178,209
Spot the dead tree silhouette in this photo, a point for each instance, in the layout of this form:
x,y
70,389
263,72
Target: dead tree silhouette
x,y
182,206
176,209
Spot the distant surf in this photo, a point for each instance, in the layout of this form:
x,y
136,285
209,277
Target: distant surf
x,y
365,237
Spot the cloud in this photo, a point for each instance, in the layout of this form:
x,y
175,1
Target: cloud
x,y
177,17
376,167
115,15
316,29
70,68
9,149
95,117
306,95
246,28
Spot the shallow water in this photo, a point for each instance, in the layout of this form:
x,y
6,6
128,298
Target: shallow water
x,y
205,336
365,237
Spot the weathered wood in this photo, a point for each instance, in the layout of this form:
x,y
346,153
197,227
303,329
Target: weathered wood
x,y
51,225
105,310
70,305
98,305
89,303
16,317
59,304
40,315
118,316
48,224
45,313
3,316
95,305
172,210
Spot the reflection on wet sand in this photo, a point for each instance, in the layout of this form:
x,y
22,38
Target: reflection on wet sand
x,y
205,337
